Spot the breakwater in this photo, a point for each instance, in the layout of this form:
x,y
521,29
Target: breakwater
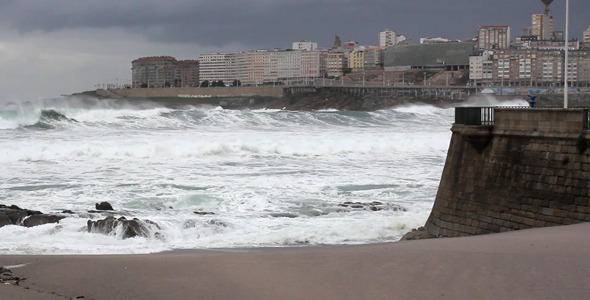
x,y
513,168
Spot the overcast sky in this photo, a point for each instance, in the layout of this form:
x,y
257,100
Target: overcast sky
x,y
53,47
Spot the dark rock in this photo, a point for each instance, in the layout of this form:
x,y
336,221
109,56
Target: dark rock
x,y
216,223
417,234
67,211
203,213
103,206
4,220
36,220
130,228
6,277
14,215
283,215
372,206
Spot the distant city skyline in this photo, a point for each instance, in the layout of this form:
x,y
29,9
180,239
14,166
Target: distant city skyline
x,y
65,46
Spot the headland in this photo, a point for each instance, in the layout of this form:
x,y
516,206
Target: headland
x,y
317,97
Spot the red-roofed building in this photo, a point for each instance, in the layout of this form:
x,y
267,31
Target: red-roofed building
x,y
164,71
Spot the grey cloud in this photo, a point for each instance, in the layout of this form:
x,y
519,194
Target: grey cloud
x,y
268,23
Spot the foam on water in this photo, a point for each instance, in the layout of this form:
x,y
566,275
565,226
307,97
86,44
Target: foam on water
x,y
220,178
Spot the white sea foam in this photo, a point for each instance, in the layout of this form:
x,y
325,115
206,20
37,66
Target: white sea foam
x,y
256,178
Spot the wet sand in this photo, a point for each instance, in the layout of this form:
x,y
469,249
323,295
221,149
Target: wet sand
x,y
546,263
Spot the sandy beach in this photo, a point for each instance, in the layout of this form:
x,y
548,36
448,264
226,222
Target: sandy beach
x,y
547,263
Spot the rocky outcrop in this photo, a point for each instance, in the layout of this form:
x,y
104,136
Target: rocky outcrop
x,y
6,277
103,206
417,234
128,228
36,220
14,215
372,206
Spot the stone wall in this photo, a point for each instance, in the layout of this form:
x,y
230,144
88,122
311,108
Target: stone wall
x,y
195,92
528,170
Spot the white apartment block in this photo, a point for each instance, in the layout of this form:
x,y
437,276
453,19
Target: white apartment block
x,y
215,67
276,66
493,37
387,38
480,65
305,45
587,36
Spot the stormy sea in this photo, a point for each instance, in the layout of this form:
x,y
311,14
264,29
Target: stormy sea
x,y
201,177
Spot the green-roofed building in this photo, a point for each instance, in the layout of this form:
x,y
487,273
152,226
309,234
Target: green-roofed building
x,y
448,56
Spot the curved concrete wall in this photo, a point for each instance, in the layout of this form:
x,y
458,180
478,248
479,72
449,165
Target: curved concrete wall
x,y
525,171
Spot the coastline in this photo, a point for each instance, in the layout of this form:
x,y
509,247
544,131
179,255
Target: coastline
x,y
542,263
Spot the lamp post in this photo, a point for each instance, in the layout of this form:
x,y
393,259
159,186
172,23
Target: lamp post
x,y
565,83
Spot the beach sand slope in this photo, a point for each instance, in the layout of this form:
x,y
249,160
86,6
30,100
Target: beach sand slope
x,y
545,263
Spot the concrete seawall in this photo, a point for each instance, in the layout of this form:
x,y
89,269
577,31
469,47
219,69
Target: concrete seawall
x,y
193,92
529,169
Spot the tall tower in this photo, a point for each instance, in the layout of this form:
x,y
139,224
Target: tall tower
x,y
547,4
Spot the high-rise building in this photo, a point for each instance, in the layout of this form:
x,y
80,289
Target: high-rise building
x,y
493,37
215,67
387,38
587,36
542,26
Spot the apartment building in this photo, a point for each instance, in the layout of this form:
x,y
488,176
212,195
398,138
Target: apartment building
x,y
542,26
356,60
163,71
493,37
187,73
374,57
531,67
480,65
387,37
216,66
587,36
263,67
336,62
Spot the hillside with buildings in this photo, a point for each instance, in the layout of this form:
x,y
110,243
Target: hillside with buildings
x,y
491,61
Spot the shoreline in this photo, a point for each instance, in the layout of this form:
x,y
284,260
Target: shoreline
x,y
541,263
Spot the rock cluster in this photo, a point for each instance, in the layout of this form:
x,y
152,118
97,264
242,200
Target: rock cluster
x,y
373,206
6,277
129,228
417,234
14,215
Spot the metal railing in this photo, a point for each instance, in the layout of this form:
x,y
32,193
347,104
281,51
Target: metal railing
x,y
474,115
485,115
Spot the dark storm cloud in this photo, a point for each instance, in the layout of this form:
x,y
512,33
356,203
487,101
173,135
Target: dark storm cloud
x,y
276,23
